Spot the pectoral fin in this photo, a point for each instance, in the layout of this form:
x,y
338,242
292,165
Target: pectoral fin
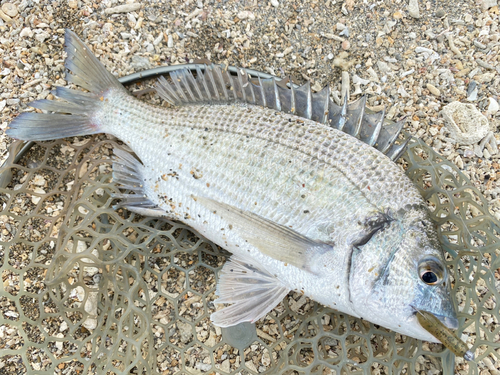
x,y
272,239
251,290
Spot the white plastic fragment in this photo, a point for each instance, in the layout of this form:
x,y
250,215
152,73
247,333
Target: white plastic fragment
x,y
466,124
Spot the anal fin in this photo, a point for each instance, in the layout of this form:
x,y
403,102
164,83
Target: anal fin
x,y
127,173
251,291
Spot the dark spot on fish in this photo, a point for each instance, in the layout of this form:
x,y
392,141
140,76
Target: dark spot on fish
x,y
306,211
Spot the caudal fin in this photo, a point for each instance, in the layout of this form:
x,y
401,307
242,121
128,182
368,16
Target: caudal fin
x,y
75,113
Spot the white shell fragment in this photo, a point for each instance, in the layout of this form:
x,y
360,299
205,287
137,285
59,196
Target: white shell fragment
x,y
413,9
466,124
9,9
493,107
123,8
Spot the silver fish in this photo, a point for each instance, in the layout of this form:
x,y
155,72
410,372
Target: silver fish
x,y
302,205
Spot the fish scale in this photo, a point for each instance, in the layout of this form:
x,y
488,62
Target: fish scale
x,y
240,147
303,192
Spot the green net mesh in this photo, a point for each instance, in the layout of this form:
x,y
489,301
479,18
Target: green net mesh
x,y
90,290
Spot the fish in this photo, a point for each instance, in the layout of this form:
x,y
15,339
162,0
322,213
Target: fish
x,y
304,193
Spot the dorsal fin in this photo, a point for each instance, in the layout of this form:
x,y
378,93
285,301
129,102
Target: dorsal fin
x,y
216,85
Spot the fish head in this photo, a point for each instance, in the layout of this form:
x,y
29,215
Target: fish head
x,y
399,270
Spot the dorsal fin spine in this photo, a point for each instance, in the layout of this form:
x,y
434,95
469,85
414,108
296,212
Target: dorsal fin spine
x,y
308,92
186,80
262,93
343,114
200,77
217,85
277,101
396,150
221,82
163,88
250,87
208,73
243,90
194,83
388,136
376,131
293,103
179,91
361,114
326,104
240,80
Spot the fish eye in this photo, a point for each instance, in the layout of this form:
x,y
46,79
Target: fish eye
x,y
429,277
431,271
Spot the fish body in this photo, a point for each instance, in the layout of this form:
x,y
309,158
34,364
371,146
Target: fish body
x,y
301,205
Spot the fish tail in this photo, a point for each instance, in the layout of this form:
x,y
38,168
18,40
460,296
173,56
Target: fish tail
x,y
77,113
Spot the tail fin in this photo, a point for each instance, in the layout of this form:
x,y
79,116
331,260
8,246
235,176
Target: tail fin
x,y
74,114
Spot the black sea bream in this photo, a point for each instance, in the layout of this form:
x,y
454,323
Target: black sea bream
x,y
264,171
